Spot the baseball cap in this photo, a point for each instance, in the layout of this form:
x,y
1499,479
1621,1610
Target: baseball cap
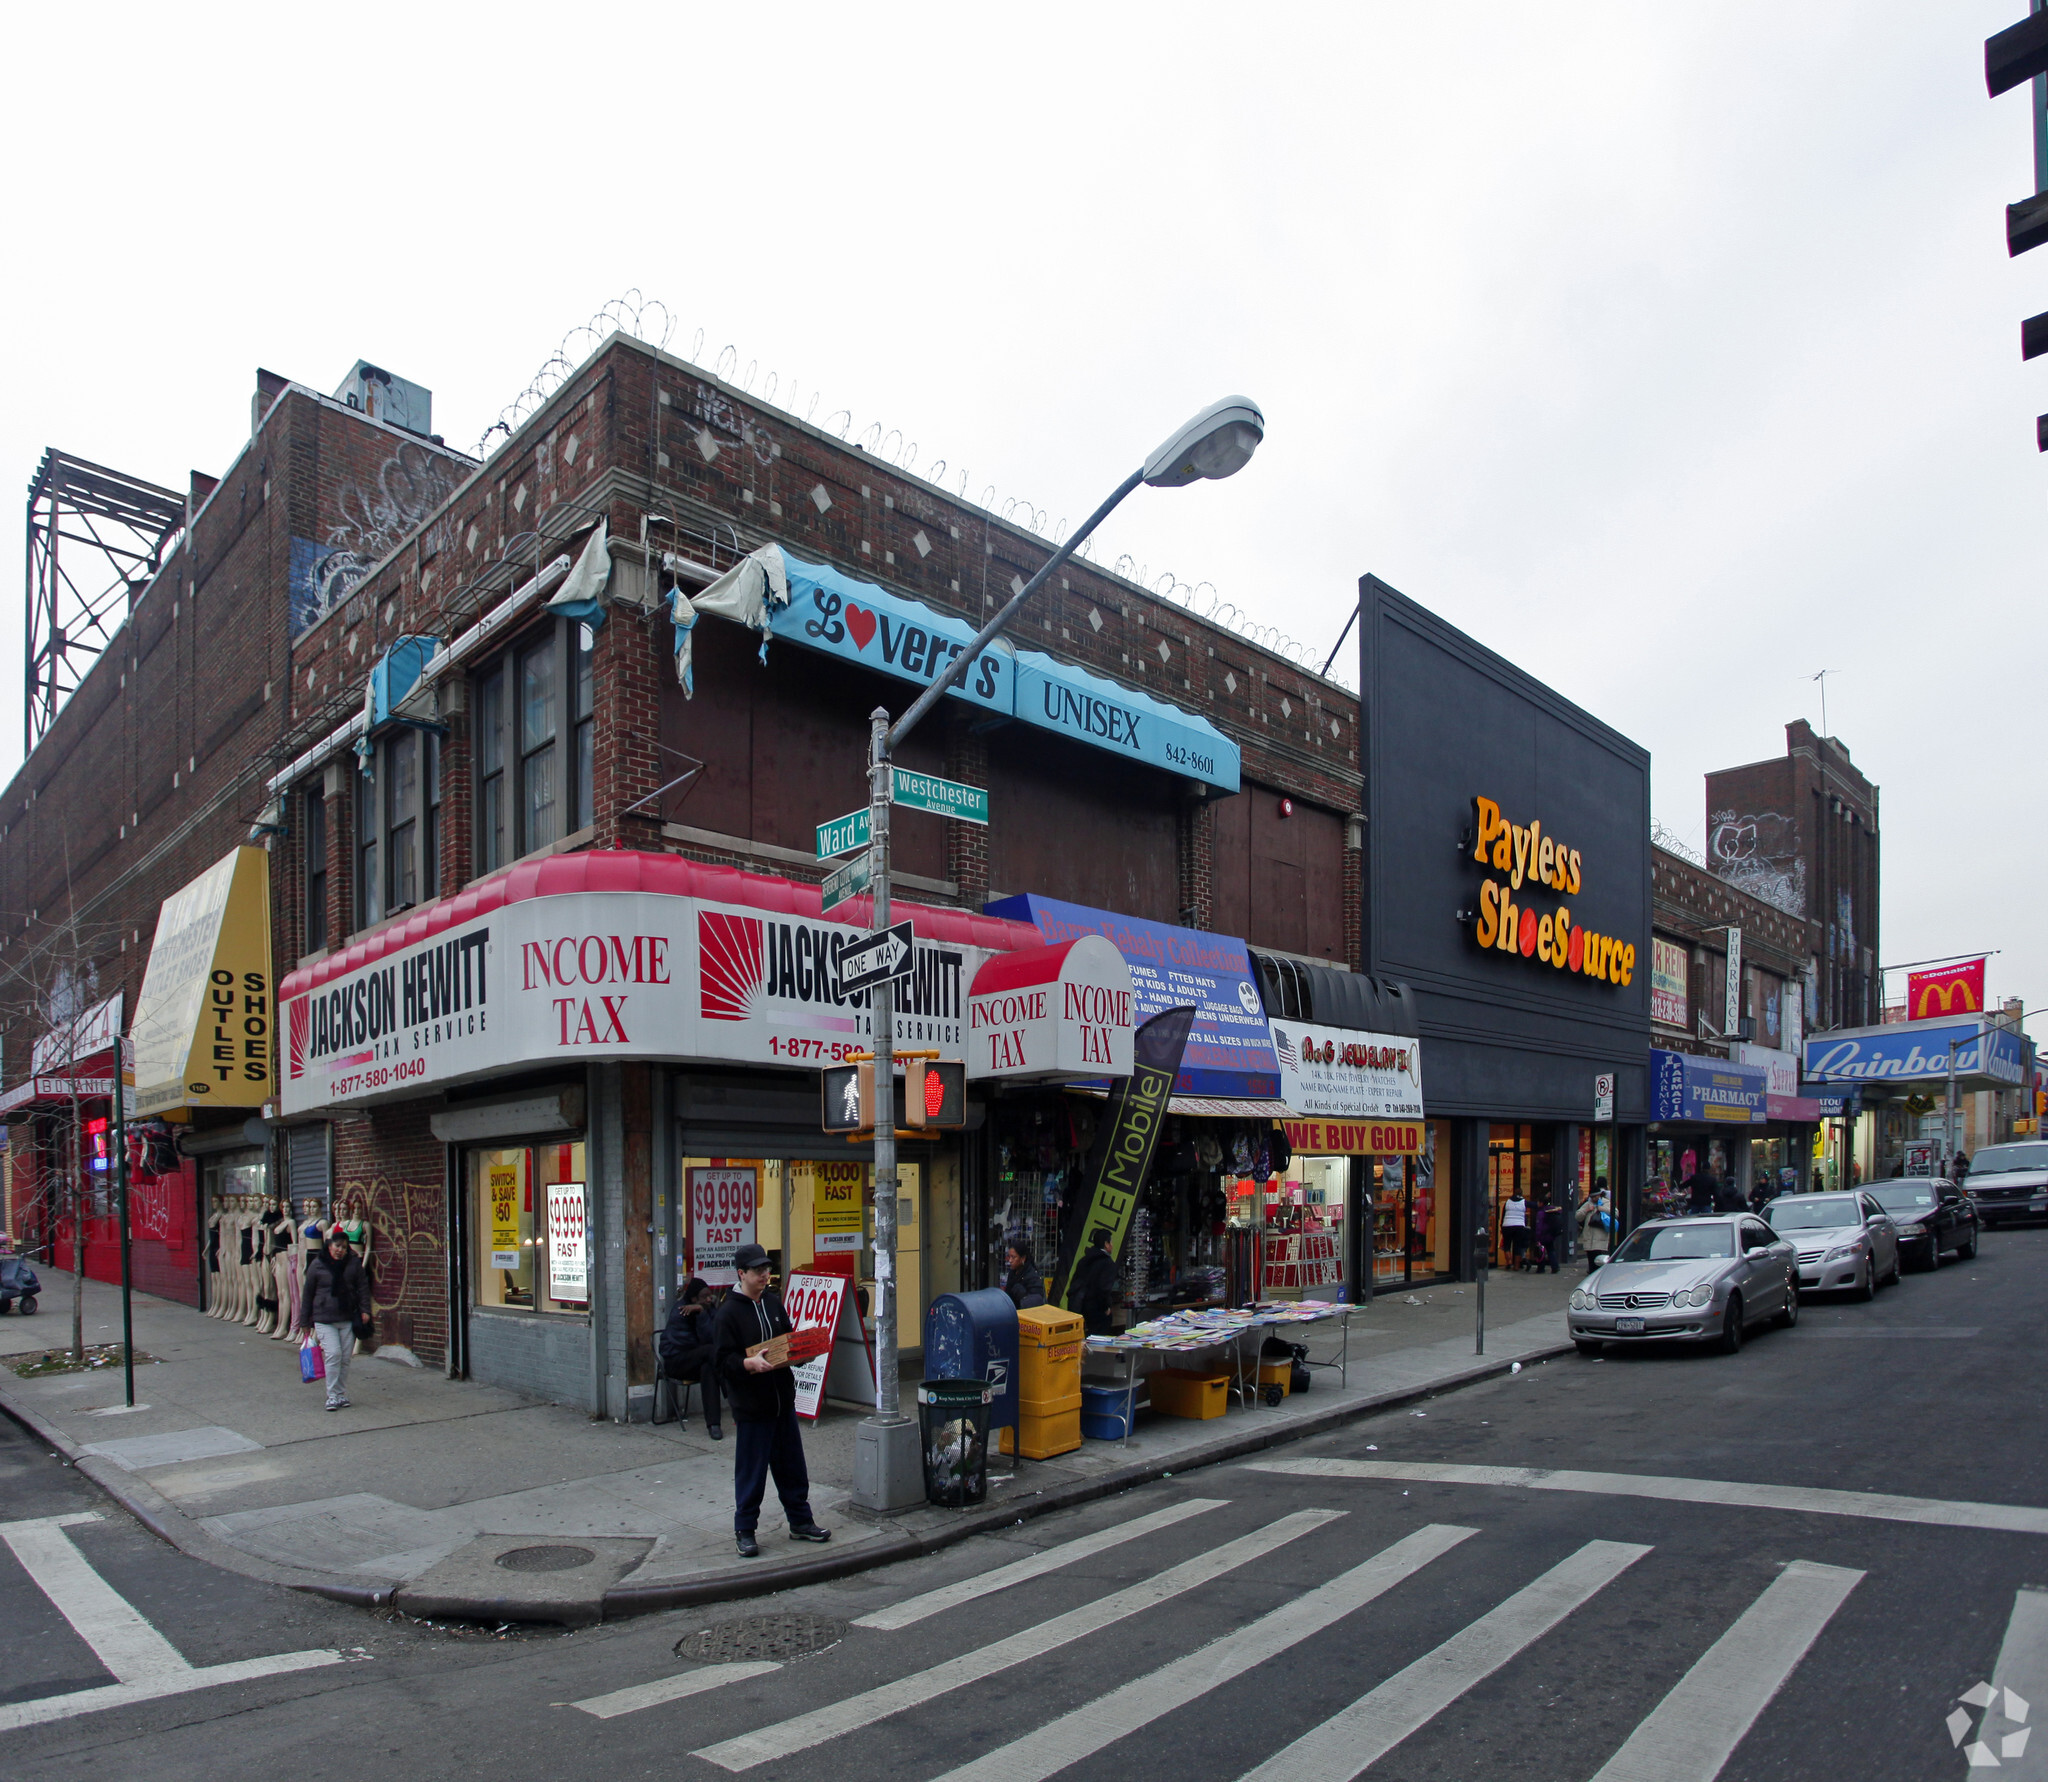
x,y
749,1256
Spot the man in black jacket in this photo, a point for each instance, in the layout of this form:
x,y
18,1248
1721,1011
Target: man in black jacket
x,y
335,1295
687,1349
763,1400
1097,1281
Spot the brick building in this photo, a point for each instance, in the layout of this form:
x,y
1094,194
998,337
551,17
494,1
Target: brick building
x,y
552,751
156,765
1801,833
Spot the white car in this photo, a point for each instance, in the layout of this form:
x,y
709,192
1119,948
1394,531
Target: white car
x,y
1688,1280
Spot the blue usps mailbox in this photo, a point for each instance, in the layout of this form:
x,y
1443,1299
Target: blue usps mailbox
x,y
973,1336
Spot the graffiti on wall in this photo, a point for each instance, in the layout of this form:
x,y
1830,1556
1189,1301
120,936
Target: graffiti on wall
x,y
370,524
1758,852
408,1257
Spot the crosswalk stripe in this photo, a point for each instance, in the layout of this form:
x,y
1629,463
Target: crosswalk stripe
x,y
15,1715
2022,1670
790,1736
673,1689
1359,1736
1694,1730
932,1602
104,1619
1138,1703
1879,1506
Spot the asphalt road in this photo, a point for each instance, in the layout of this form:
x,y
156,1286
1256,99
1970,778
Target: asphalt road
x,y
1367,1605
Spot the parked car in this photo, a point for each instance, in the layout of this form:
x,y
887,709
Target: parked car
x,y
1930,1216
1688,1280
1845,1240
18,1285
2008,1182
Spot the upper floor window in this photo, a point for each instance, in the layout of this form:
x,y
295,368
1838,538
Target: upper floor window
x,y
535,744
398,824
315,842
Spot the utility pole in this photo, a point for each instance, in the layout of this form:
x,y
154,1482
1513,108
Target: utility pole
x,y
1218,442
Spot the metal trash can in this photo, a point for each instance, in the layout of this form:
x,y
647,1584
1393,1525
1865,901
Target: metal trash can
x,y
952,1418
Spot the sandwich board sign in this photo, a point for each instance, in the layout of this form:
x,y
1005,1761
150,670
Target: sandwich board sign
x,y
846,1371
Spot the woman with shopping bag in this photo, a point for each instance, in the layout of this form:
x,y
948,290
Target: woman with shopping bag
x,y
334,1300
1596,1225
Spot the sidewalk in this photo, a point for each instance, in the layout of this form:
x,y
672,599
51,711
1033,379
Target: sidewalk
x,y
418,1493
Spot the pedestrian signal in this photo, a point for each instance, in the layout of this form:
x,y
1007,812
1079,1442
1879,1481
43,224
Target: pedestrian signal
x,y
934,1093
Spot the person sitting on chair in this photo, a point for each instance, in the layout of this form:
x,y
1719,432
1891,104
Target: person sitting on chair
x,y
685,1348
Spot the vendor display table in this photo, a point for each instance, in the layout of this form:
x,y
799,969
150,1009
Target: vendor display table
x,y
1183,1339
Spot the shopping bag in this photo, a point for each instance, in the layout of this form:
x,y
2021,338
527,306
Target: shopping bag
x,y
312,1363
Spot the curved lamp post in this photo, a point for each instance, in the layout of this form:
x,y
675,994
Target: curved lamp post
x,y
1218,442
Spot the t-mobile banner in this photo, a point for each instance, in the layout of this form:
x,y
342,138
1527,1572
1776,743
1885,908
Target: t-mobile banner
x,y
1124,1146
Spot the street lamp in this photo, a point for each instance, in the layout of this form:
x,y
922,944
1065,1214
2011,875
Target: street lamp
x,y
1218,442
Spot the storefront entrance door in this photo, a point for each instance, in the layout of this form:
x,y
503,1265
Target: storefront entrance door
x,y
1518,1155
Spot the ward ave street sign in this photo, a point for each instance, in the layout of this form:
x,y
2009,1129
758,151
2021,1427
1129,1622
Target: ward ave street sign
x,y
843,834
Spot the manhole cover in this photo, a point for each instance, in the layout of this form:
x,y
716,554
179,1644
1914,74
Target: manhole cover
x,y
761,1636
545,1559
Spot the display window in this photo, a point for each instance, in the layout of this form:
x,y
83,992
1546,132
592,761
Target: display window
x,y
528,1209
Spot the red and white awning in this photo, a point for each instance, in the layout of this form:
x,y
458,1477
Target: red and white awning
x,y
612,954
1045,1013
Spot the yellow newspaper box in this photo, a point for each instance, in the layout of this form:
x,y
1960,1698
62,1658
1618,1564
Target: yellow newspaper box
x,y
1048,1383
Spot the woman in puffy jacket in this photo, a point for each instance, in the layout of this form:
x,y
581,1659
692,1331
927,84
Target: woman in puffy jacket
x,y
1596,1225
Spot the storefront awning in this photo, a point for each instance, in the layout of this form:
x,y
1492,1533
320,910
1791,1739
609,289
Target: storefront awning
x,y
1042,1014
36,1091
862,623
1916,1054
1229,1052
611,954
1685,1088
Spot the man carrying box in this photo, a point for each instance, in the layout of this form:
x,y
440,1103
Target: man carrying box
x,y
753,1366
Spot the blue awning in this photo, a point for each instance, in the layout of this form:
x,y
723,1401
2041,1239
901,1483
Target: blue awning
x,y
860,622
1684,1087
1229,1052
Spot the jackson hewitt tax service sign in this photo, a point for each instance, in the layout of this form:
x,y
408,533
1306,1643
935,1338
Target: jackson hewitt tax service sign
x,y
204,1020
602,974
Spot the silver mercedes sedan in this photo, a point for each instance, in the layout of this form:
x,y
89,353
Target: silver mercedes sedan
x,y
1688,1280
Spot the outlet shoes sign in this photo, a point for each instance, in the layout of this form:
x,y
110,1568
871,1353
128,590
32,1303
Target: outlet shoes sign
x,y
1525,859
859,622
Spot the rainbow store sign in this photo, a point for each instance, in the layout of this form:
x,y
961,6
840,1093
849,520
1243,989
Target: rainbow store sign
x,y
1524,856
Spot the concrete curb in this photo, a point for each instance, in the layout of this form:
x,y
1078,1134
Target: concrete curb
x,y
622,1601
172,1526
625,1600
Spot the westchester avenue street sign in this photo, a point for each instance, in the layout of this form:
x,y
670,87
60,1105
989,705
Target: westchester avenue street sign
x,y
913,792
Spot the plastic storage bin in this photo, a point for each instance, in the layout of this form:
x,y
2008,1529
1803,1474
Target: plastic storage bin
x,y
1179,1393
1104,1417
952,1417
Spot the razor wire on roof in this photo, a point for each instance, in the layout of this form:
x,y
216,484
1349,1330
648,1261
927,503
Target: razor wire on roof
x,y
651,321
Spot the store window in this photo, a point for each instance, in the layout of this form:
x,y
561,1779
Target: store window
x,y
528,1208
539,702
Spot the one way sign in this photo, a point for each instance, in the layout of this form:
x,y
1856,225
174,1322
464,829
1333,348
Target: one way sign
x,y
877,959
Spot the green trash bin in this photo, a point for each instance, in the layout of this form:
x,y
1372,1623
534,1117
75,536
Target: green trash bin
x,y
952,1417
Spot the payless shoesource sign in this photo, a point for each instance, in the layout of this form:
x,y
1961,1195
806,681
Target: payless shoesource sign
x,y
204,1021
1513,916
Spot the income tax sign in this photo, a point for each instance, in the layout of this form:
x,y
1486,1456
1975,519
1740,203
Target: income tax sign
x,y
723,1201
1049,1012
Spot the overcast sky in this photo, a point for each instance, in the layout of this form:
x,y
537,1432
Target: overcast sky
x,y
1671,351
